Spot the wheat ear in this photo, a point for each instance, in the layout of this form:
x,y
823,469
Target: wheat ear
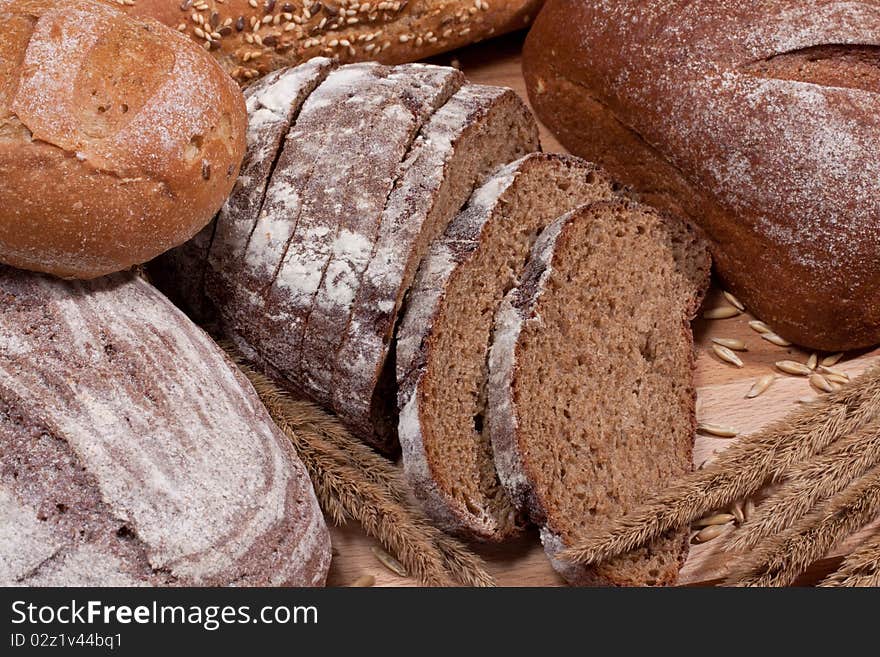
x,y
779,560
861,568
740,471
361,484
810,482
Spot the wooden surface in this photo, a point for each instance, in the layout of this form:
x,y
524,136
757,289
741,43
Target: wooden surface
x,y
721,400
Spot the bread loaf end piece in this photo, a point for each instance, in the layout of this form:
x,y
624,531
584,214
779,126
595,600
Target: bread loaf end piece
x,y
134,452
591,396
119,138
443,342
479,130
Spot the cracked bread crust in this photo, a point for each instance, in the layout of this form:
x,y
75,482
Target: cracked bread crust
x,y
121,131
134,452
763,132
532,310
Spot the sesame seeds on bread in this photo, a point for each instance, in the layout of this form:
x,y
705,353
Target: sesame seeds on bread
x,y
445,335
591,398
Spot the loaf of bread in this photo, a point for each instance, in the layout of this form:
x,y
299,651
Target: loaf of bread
x,y
311,257
132,452
119,138
758,119
591,395
444,338
252,37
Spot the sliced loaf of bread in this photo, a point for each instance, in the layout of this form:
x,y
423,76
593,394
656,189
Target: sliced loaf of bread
x,y
444,338
351,173
591,395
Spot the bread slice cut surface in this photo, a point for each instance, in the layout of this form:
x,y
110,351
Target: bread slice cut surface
x,y
444,339
592,404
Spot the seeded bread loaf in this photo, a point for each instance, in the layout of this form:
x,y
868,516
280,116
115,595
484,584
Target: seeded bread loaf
x,y
591,397
253,37
132,452
444,337
313,253
119,139
757,119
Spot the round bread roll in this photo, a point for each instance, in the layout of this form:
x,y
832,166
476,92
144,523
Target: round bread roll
x,y
119,138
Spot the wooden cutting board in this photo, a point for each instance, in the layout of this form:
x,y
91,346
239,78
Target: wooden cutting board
x,y
721,400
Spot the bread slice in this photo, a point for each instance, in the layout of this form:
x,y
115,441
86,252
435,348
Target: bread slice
x,y
443,341
591,394
479,130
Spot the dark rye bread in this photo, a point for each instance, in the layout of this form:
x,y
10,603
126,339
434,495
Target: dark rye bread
x,y
756,118
313,254
133,452
330,177
477,131
443,341
591,398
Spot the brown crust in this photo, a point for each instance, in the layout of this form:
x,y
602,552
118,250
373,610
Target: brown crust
x,y
763,132
112,481
520,307
392,32
121,131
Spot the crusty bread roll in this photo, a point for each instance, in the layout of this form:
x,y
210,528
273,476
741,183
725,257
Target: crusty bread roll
x,y
132,452
757,118
253,37
119,138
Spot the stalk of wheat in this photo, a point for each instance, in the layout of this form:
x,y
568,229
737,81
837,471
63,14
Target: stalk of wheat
x,y
861,568
740,471
811,482
780,559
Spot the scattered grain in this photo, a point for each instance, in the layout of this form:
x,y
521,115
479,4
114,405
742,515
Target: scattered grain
x,y
778,340
731,343
709,534
736,303
793,367
727,355
717,430
716,519
389,562
759,326
721,312
760,386
820,383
